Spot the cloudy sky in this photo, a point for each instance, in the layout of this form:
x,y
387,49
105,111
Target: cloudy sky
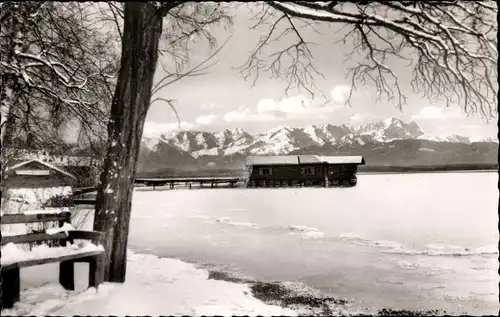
x,y
224,99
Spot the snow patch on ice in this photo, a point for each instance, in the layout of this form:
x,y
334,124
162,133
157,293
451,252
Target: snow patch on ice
x,y
395,247
447,250
358,239
304,231
307,232
443,250
410,265
227,220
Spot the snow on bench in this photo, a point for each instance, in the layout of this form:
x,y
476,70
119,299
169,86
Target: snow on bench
x,y
46,211
13,254
14,258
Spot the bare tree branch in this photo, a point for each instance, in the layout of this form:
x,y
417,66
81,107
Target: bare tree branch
x,y
450,45
197,70
63,67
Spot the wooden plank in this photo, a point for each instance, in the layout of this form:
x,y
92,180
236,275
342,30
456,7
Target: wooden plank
x,y
67,275
84,201
95,236
29,218
47,260
33,237
11,287
80,191
96,270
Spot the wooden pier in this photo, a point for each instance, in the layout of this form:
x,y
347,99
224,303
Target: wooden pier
x,y
188,182
79,194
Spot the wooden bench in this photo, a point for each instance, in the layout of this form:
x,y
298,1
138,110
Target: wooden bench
x,y
10,270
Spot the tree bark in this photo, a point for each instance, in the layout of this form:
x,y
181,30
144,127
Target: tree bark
x,y
12,33
141,36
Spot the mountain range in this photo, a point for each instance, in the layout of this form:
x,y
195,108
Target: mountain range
x,y
386,142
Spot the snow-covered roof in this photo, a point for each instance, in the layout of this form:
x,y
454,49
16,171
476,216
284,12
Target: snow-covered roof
x,y
308,159
57,160
303,159
50,166
343,159
273,160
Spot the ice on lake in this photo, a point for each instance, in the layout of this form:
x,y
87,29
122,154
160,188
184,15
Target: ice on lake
x,y
412,241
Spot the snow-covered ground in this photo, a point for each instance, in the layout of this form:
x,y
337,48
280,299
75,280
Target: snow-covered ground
x,y
20,200
154,286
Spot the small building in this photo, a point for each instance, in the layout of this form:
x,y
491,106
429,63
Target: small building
x,y
34,185
302,170
37,173
86,169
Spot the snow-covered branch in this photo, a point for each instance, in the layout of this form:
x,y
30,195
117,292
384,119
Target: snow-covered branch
x,y
451,47
59,70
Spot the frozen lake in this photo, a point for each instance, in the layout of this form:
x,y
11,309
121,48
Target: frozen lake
x,y
407,241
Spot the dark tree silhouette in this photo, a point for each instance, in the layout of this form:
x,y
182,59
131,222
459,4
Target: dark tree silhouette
x,y
141,46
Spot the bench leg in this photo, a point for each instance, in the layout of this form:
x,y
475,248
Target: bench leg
x,y
96,271
11,288
67,275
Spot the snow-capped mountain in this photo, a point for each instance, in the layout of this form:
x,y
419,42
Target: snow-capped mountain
x,y
192,147
284,140
199,143
452,138
390,129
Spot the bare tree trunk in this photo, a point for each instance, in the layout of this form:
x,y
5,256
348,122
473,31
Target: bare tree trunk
x,y
12,34
141,35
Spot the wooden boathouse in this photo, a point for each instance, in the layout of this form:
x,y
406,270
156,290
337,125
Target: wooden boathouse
x,y
302,170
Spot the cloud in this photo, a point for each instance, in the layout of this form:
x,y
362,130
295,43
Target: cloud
x,y
358,117
205,120
294,107
471,126
297,105
340,94
154,129
248,115
209,106
438,113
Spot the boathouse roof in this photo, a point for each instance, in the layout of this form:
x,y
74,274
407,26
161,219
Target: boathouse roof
x,y
273,160
303,159
343,159
309,159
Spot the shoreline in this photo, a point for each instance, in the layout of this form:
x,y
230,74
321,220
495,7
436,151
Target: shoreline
x,y
361,171
309,302
427,171
304,302
302,299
